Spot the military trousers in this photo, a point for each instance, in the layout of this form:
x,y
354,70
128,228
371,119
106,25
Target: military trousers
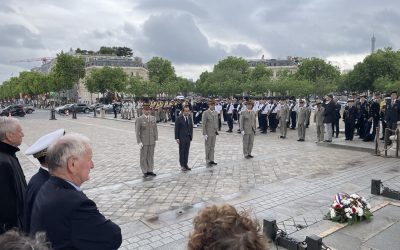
x,y
210,145
248,140
301,131
320,132
283,127
147,158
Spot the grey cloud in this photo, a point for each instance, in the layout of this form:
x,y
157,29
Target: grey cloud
x,y
19,36
188,6
243,50
176,37
6,9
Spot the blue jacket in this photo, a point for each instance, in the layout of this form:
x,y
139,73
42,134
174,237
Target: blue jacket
x,y
71,220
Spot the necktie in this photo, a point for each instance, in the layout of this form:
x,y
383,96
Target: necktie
x,y
187,121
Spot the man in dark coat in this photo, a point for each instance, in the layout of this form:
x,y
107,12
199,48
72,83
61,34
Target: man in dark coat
x,y
39,151
12,178
183,136
70,219
350,119
329,114
336,118
393,111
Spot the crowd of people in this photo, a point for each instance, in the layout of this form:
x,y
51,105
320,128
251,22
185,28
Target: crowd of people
x,y
53,202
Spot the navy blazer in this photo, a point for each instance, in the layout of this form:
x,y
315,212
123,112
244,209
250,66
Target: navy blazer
x,y
329,112
183,132
34,185
71,220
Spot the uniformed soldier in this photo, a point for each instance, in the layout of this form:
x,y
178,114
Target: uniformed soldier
x,y
248,129
210,131
274,108
218,109
301,121
350,118
229,115
293,108
283,117
373,118
319,121
362,117
146,136
263,113
39,151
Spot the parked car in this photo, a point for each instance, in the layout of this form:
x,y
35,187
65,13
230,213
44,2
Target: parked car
x,y
15,110
29,109
108,108
62,109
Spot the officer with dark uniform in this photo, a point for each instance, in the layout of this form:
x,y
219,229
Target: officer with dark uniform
x,y
362,117
350,118
373,118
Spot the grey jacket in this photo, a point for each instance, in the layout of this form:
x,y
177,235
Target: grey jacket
x,y
146,131
248,122
284,113
319,116
302,115
210,123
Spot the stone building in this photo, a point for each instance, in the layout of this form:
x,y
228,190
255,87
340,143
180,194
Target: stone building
x,y
289,64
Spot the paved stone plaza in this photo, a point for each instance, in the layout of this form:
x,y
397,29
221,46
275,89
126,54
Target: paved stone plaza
x,y
287,180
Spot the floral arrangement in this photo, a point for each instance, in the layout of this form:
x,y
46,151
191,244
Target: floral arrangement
x,y
349,208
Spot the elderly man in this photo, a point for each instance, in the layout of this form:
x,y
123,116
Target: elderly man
x,y
329,110
12,179
70,219
39,151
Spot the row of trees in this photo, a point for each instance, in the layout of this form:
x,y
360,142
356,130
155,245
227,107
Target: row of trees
x,y
230,76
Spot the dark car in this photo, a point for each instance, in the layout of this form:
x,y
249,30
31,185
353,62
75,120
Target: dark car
x,y
79,108
15,110
29,109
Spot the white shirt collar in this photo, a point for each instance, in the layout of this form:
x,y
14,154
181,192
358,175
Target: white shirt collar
x,y
75,186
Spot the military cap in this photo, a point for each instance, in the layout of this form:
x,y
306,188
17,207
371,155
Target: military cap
x,y
393,92
39,148
350,100
146,105
363,95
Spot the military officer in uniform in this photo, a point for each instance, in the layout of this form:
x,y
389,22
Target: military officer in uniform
x,y
39,151
210,131
301,121
350,118
283,117
319,121
146,136
248,129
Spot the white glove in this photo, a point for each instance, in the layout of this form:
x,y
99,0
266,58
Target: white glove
x,y
140,145
205,137
242,132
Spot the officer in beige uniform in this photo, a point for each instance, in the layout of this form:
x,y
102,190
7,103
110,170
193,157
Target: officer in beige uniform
x,y
301,121
146,135
319,121
248,129
210,131
283,117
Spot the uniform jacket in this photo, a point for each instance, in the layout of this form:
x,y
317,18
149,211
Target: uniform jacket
x,y
302,115
12,189
319,116
248,122
284,112
393,112
350,115
34,185
329,112
71,220
146,130
183,131
374,110
210,123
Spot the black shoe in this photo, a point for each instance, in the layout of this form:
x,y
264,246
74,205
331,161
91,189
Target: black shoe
x,y
151,174
250,156
184,169
213,163
264,132
247,157
328,141
145,175
346,139
187,167
229,131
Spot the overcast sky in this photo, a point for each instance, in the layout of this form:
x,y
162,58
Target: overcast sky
x,y
196,34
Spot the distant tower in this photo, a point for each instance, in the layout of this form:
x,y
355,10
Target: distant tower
x,y
373,43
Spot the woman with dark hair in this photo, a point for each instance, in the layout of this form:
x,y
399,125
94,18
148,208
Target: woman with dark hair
x,y
222,227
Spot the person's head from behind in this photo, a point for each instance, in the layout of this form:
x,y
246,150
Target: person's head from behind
x,y
222,227
70,158
11,131
13,240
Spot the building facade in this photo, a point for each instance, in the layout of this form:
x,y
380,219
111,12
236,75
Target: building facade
x,y
290,64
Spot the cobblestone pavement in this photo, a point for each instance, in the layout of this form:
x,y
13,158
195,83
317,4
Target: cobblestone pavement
x,y
280,181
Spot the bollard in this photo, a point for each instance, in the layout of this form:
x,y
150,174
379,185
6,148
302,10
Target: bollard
x,y
398,142
270,228
53,114
377,141
73,114
102,113
387,134
94,113
376,187
314,242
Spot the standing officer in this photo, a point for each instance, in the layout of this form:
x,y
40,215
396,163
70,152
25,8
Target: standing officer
x,y
293,113
183,136
283,117
210,131
273,123
329,109
336,118
39,151
301,120
248,128
393,111
115,107
229,115
362,117
350,119
319,121
146,136
264,110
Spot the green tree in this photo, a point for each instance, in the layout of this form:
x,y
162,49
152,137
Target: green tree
x,y
259,72
160,70
106,79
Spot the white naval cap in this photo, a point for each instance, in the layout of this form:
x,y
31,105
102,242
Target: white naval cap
x,y
39,148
